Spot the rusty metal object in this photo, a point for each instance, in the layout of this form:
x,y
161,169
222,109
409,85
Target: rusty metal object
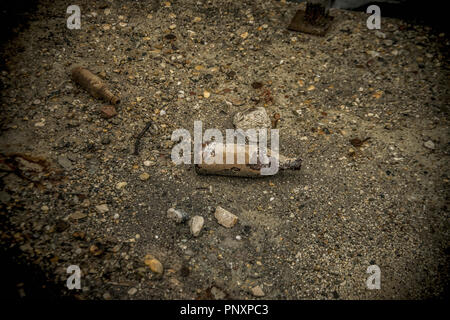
x,y
314,20
275,120
93,84
246,169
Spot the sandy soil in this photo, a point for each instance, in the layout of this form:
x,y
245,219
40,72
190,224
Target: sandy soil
x,y
309,234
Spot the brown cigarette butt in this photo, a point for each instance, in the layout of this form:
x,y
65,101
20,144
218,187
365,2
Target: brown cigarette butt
x,y
93,84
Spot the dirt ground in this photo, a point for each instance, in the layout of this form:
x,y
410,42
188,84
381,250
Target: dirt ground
x,y
308,234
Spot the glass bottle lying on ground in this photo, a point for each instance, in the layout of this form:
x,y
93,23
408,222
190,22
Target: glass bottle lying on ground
x,y
242,160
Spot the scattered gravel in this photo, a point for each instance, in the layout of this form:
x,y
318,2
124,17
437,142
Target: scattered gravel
x,y
355,105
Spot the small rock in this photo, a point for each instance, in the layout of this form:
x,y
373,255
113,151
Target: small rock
x,y
298,112
80,235
78,215
26,248
429,144
102,208
252,118
45,208
5,198
196,225
96,249
64,162
218,294
106,140
86,203
148,163
108,112
121,185
154,264
145,176
257,291
373,54
179,216
380,35
225,218
132,291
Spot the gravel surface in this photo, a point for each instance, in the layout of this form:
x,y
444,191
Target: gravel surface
x,y
367,111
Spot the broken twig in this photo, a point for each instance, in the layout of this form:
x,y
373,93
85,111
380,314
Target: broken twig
x,y
139,137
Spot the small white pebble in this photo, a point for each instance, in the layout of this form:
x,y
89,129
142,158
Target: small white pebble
x,y
132,291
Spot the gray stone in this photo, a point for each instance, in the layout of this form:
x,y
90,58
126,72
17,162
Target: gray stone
x,y
429,145
77,215
252,118
218,294
64,162
373,54
132,291
179,216
102,208
380,35
225,218
196,225
258,292
4,197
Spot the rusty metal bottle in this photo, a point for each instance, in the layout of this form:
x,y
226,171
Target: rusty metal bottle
x,y
93,84
250,167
